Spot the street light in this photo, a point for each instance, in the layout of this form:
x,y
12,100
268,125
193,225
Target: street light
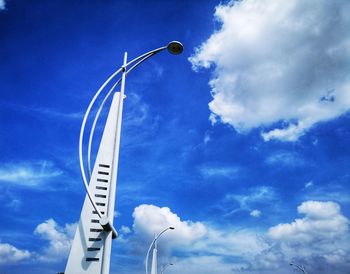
x,y
164,267
173,47
154,257
300,267
91,248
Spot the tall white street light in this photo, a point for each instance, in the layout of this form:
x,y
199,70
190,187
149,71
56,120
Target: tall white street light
x,y
300,267
154,255
91,248
164,267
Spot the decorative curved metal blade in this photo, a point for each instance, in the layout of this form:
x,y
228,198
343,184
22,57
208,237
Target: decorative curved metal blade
x,y
91,247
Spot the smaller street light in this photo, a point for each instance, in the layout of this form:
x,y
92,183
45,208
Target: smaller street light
x,y
154,242
164,267
300,267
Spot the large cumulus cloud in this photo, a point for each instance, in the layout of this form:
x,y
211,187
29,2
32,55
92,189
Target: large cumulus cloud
x,y
280,65
319,239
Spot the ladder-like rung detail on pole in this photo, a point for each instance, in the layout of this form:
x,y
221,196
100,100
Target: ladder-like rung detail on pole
x,y
100,196
96,229
103,173
93,249
101,187
92,259
95,239
100,204
95,212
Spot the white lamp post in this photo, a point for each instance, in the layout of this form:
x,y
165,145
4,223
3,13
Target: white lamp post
x,y
154,255
91,248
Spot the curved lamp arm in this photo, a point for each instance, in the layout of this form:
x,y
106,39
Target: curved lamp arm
x,y
94,125
145,57
154,240
174,48
82,170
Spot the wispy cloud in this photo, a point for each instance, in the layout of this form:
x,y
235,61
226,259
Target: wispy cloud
x,y
309,184
138,111
333,192
28,173
248,201
207,137
58,114
2,4
217,171
44,111
255,213
285,158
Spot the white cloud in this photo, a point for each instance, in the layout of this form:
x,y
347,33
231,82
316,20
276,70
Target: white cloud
x,y
323,234
60,239
138,111
28,173
321,239
190,236
206,138
322,221
285,158
309,184
150,219
278,61
330,192
260,195
255,213
44,112
2,5
215,171
10,254
14,204
125,230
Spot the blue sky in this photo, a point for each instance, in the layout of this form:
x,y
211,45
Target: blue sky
x,y
241,142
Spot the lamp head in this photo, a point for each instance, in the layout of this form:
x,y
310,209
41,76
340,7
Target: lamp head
x,y
171,227
175,47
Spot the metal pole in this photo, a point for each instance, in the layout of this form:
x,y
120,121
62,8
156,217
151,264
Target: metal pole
x,y
154,259
112,191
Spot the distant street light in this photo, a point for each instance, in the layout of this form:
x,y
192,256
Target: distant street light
x,y
154,256
300,267
164,267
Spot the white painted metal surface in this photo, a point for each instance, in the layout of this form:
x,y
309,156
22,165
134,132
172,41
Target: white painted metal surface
x,y
91,248
154,260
